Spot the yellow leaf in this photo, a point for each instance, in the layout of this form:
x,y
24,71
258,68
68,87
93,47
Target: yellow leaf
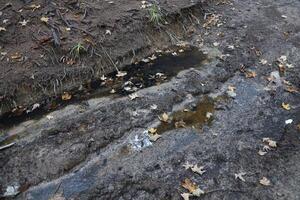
x,y
286,106
66,96
152,130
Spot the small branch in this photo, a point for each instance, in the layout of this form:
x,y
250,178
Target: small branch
x,y
7,146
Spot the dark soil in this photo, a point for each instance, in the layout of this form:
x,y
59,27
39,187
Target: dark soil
x,y
223,97
38,64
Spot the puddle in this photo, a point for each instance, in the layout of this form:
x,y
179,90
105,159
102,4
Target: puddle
x,y
154,70
195,117
160,69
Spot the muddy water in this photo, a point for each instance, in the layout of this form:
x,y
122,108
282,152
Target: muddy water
x,y
196,117
155,70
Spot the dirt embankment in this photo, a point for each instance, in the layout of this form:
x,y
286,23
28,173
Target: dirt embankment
x,y
51,47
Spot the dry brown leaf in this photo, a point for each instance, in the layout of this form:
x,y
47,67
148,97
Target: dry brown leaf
x,y
66,96
291,89
264,181
16,56
286,106
192,187
180,124
164,117
250,74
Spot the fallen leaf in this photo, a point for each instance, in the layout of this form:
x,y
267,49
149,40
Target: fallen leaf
x,y
121,74
49,117
231,91
66,96
154,137
298,127
187,165
103,78
262,153
240,176
282,59
44,19
264,181
164,117
24,22
266,148
185,196
209,115
192,187
263,61
270,142
113,91
250,74
153,107
291,89
133,96
180,124
2,29
286,106
152,130
34,7
216,44
199,170
231,88
107,32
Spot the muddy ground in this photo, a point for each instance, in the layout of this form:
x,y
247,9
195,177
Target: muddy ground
x,y
225,73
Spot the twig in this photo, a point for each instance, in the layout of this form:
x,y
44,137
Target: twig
x,y
7,146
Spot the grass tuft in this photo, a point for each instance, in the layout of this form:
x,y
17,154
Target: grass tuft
x,y
156,15
77,50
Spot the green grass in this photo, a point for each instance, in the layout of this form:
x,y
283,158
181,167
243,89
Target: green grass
x,y
156,15
77,50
